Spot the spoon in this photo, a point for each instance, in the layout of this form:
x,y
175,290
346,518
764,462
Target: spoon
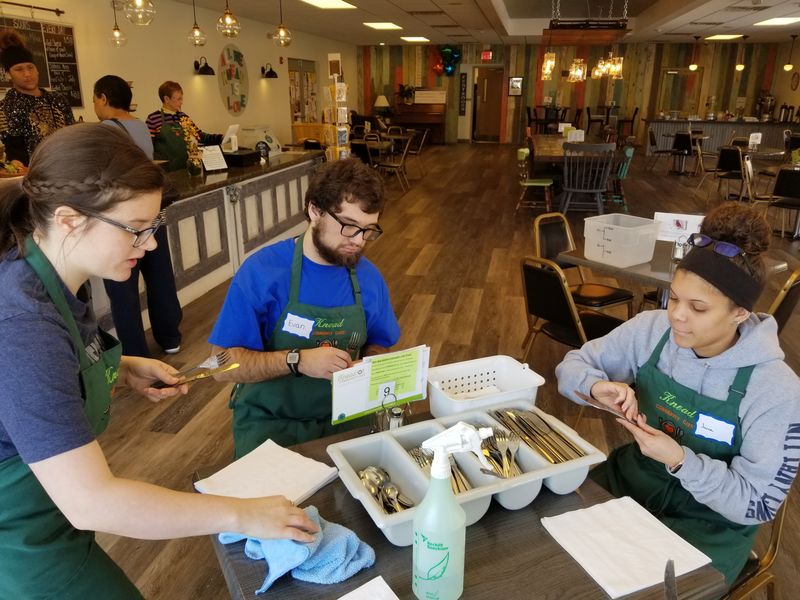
x,y
390,491
396,495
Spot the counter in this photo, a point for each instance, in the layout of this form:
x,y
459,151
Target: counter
x,y
719,132
216,220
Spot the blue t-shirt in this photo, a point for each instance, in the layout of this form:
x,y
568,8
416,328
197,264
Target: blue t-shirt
x,y
260,291
41,409
138,131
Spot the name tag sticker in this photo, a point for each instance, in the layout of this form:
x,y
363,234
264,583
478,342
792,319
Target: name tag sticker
x,y
298,325
714,429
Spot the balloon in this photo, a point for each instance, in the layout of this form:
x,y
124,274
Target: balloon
x,y
446,52
449,69
438,68
456,54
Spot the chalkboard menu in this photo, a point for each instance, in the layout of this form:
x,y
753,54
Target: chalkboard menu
x,y
53,48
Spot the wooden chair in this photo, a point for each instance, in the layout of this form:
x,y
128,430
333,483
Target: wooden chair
x,y
528,181
619,172
786,301
590,120
586,169
578,118
627,127
757,573
655,151
551,236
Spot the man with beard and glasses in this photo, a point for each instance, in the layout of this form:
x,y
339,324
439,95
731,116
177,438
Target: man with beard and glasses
x,y
302,309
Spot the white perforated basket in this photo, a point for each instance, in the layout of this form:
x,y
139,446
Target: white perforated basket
x,y
479,384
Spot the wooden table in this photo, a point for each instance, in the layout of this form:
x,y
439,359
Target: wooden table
x,y
550,147
658,272
509,554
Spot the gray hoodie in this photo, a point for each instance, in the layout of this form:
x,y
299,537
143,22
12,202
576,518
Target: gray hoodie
x,y
751,489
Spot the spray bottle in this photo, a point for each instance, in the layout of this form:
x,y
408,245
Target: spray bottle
x,y
440,522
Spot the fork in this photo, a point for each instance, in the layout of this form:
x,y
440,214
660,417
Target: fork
x,y
212,362
354,344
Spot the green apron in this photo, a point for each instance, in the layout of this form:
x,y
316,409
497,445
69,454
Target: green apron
x,y
676,410
41,554
290,409
169,145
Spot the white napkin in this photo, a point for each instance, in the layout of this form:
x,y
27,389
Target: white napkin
x,y
622,546
374,589
269,470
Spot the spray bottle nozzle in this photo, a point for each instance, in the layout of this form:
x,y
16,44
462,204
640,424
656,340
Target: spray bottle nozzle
x,y
461,437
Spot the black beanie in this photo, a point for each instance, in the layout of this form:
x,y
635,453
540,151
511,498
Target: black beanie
x,y
14,55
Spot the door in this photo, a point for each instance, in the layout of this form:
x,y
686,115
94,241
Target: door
x,y
303,90
487,102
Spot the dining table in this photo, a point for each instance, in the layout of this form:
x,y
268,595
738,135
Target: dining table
x,y
656,272
549,148
509,554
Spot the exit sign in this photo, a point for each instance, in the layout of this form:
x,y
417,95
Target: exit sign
x,y
486,55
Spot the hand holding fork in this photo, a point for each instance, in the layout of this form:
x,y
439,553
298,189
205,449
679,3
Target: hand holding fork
x,y
354,344
213,362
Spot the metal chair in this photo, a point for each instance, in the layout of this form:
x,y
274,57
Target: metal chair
x,y
360,149
551,236
729,168
749,183
415,149
551,310
619,172
655,151
700,167
394,129
358,132
786,301
398,166
756,573
586,169
786,194
682,148
791,141
528,181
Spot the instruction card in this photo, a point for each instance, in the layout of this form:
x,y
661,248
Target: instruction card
x,y
674,226
380,382
213,159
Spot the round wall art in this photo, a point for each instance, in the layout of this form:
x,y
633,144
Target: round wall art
x,y
232,78
795,80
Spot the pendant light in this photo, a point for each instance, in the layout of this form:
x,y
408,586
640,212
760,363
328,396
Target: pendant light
x,y
740,55
693,66
117,38
282,36
196,36
789,66
548,65
577,71
228,24
599,69
140,12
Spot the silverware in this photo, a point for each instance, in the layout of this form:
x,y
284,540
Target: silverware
x,y
208,373
354,344
539,435
597,404
212,362
670,585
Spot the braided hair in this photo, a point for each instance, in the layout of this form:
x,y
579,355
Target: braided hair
x,y
88,167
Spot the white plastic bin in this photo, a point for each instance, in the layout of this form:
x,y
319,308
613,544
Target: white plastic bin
x,y
480,384
620,240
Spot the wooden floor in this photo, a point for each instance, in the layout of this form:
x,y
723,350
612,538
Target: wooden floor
x,y
451,257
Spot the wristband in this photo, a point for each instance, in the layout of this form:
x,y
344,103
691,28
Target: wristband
x,y
674,469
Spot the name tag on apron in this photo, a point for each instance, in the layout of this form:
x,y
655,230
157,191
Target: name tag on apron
x,y
298,326
714,429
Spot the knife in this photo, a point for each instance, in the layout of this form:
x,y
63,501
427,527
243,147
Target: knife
x,y
670,585
201,375
592,402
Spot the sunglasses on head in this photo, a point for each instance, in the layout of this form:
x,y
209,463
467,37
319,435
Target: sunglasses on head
x,y
726,249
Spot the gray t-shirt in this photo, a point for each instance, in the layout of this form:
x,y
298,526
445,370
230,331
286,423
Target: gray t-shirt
x,y
41,408
138,132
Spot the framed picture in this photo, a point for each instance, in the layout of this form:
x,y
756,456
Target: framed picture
x,y
515,86
795,80
334,65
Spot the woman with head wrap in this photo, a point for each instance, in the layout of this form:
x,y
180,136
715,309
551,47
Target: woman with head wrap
x,y
715,413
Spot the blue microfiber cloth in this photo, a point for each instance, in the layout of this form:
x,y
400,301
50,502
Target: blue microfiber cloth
x,y
335,554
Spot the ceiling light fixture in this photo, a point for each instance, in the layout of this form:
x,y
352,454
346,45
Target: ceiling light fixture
x,y
695,54
589,31
414,38
740,55
549,59
282,36
577,71
140,12
789,66
196,36
383,26
329,4
118,38
777,21
228,25
723,37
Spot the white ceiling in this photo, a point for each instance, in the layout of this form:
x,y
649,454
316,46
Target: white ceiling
x,y
517,21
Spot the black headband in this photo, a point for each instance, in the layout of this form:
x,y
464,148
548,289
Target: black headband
x,y
734,282
14,55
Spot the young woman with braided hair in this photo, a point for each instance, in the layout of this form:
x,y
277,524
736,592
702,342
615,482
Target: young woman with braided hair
x,y
87,207
715,411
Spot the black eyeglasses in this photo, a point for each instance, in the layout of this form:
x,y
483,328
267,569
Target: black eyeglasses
x,y
140,235
726,249
370,234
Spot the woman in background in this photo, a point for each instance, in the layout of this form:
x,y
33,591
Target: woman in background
x,y
715,414
88,206
112,103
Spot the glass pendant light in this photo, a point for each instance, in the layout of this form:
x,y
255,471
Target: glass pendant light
x,y
196,36
693,66
614,66
577,71
282,36
548,65
789,66
117,38
740,55
140,12
600,69
228,24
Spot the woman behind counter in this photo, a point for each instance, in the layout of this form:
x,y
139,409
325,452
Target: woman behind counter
x,y
713,455
88,206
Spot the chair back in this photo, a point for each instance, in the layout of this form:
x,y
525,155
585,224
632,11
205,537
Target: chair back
x,y
730,159
576,120
748,175
552,235
361,150
394,129
787,184
372,137
547,296
741,142
359,131
531,117
786,301
633,119
589,114
652,137
794,141
562,118
682,142
586,166
417,141
625,163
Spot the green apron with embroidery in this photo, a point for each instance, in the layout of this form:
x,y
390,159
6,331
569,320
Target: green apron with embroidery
x,y
289,409
169,145
697,422
41,554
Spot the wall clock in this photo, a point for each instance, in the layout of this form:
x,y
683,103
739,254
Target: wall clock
x,y
232,78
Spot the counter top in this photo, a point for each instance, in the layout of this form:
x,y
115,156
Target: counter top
x,y
729,122
180,185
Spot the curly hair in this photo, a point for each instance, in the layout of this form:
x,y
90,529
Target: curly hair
x,y
348,180
743,225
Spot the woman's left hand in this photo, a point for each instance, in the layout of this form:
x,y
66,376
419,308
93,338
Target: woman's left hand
x,y
654,443
141,373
